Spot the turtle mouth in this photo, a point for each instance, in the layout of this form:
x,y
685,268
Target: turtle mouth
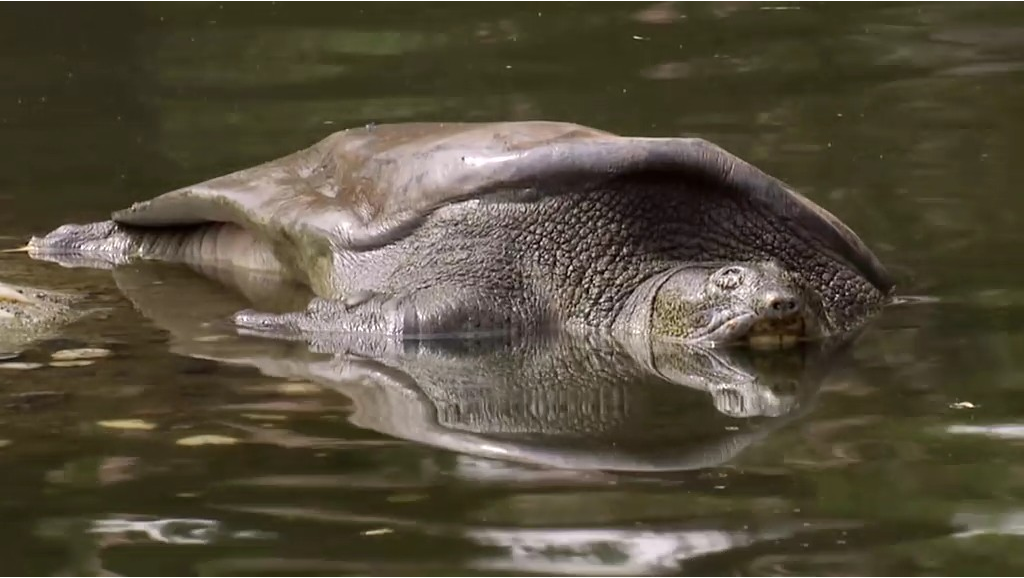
x,y
759,331
775,333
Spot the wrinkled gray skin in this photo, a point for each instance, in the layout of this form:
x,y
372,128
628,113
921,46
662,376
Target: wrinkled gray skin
x,y
437,229
30,314
589,402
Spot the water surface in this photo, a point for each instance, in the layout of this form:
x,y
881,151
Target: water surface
x,y
899,454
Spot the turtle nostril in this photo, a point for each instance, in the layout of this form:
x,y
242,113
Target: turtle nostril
x,y
783,305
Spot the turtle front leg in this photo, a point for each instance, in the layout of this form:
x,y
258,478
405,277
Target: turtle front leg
x,y
426,313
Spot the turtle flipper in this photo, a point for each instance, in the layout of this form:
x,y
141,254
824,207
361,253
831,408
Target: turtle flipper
x,y
434,312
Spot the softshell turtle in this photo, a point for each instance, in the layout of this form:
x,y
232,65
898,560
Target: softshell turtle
x,y
31,314
454,228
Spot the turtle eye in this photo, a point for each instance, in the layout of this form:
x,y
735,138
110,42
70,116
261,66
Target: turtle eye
x,y
729,278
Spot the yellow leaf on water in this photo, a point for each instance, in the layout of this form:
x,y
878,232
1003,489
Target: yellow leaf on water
x,y
83,353
127,424
207,440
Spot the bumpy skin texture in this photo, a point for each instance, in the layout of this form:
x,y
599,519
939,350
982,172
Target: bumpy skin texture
x,y
30,314
440,228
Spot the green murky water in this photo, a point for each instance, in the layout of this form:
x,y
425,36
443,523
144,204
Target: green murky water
x,y
187,452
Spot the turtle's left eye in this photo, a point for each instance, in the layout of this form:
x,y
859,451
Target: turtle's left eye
x,y
729,278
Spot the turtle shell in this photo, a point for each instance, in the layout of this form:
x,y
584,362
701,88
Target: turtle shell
x,y
364,187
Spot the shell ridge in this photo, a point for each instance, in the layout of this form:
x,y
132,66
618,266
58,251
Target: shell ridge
x,y
386,180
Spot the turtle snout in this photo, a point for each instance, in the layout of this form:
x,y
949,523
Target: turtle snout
x,y
782,305
781,321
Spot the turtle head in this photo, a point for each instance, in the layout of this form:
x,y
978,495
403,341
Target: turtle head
x,y
727,303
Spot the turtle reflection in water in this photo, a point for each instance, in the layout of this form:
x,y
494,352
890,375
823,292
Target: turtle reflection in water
x,y
462,229
566,402
563,400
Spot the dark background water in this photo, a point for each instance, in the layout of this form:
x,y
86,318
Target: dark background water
x,y
902,119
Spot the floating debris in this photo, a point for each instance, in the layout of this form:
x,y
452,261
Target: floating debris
x,y
207,440
962,405
77,354
72,363
137,424
377,532
23,365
